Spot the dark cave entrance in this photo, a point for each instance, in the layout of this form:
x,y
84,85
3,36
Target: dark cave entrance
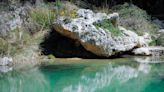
x,y
63,47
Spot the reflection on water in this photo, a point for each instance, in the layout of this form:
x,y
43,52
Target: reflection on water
x,y
23,81
118,75
102,79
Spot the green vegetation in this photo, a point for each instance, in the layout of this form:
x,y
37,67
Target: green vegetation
x,y
15,41
24,41
107,25
51,56
160,40
43,16
135,19
153,42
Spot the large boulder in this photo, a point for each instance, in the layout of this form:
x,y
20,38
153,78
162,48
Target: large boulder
x,y
98,40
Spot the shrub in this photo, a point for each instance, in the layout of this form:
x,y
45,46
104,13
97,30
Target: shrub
x,y
107,25
135,19
67,9
43,16
46,14
16,40
160,40
3,47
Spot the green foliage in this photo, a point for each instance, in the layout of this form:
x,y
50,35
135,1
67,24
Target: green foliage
x,y
51,56
153,43
160,40
43,16
107,25
135,19
66,9
58,3
16,40
3,47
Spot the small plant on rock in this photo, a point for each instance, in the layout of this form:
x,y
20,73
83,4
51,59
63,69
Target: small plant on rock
x,y
107,25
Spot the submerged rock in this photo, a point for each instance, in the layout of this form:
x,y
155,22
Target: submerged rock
x,y
98,40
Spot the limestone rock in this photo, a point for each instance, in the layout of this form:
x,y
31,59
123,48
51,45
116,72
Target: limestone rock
x,y
10,20
99,41
5,61
154,51
142,51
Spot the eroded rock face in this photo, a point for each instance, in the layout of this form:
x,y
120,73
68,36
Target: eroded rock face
x,y
99,41
9,21
16,17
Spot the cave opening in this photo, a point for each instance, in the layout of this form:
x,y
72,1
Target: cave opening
x,y
63,47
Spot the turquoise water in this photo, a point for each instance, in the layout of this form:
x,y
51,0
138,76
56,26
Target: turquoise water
x,y
117,75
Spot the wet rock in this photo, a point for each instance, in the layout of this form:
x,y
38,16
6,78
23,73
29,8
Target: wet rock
x,y
99,41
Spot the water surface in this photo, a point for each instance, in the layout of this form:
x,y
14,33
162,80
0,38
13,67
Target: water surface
x,y
112,75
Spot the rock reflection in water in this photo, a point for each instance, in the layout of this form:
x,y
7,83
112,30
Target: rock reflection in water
x,y
23,81
154,59
108,77
5,69
111,75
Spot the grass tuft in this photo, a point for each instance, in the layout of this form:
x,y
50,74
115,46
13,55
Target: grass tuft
x,y
107,25
43,16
